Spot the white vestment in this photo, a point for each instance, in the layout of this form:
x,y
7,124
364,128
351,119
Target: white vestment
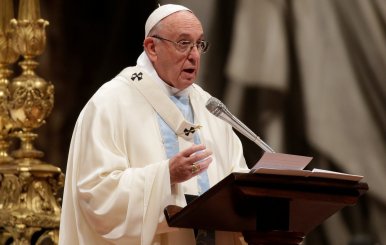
x,y
117,179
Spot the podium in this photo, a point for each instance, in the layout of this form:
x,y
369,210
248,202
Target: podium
x,y
267,208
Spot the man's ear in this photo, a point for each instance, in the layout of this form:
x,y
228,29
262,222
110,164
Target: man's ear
x,y
149,46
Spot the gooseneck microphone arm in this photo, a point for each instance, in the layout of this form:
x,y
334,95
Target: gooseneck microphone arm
x,y
217,108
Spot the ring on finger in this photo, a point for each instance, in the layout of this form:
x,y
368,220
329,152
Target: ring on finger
x,y
195,168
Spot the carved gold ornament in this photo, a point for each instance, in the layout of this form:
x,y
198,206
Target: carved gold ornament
x,y
30,189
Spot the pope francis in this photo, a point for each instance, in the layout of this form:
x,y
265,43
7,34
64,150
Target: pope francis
x,y
144,141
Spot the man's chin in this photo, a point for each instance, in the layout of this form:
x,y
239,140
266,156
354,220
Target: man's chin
x,y
184,83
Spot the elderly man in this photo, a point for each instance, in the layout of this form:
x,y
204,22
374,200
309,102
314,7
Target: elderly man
x,y
144,141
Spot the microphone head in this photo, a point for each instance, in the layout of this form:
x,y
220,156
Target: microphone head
x,y
215,106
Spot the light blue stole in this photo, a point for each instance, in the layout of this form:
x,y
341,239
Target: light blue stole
x,y
172,148
171,141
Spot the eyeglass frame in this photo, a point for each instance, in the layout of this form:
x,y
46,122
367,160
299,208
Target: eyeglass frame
x,y
179,44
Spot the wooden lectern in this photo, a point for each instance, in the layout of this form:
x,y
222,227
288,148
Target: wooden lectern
x,y
267,208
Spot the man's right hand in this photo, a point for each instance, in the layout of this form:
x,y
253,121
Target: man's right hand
x,y
188,163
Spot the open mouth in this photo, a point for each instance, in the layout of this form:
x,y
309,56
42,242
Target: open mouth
x,y
190,71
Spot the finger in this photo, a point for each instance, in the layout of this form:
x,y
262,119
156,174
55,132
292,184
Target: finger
x,y
199,156
205,164
191,150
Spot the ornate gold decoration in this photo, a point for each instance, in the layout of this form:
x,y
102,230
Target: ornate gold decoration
x,y
29,188
32,98
30,202
8,56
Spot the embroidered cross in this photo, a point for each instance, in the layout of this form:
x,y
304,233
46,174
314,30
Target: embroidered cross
x,y
192,130
188,131
138,76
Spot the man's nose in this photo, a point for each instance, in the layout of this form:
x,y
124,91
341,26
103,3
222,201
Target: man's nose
x,y
194,54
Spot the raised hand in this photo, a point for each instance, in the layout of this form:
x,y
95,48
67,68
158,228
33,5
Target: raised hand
x,y
188,163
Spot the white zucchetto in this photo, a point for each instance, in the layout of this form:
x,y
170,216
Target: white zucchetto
x,y
160,13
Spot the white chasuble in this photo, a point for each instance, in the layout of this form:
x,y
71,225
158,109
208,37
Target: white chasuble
x,y
117,178
168,111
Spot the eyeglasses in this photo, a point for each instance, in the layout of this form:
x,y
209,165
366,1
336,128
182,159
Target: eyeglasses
x,y
184,45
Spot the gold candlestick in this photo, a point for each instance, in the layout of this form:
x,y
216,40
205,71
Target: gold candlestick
x,y
29,189
7,57
32,98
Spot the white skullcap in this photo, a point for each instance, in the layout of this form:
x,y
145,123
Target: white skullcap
x,y
160,13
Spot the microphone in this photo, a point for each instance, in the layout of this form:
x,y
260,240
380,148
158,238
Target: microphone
x,y
217,108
